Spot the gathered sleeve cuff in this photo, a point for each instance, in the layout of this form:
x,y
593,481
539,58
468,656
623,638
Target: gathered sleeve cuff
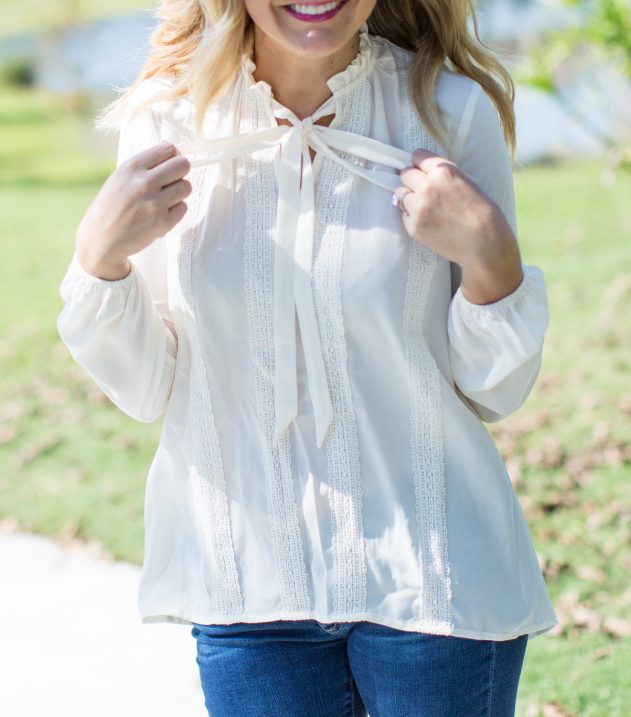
x,y
114,331
495,349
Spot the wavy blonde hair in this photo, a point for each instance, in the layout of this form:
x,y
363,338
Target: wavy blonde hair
x,y
199,45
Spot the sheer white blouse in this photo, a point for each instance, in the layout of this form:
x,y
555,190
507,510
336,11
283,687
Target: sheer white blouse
x,y
322,378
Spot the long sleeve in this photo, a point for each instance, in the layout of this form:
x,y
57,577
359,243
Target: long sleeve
x,y
121,331
495,349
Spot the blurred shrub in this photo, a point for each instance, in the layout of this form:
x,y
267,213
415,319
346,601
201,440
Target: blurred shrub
x,y
604,30
608,27
18,72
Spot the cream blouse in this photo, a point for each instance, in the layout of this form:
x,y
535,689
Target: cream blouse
x,y
323,379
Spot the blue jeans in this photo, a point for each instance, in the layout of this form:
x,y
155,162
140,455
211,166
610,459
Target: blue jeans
x,y
304,668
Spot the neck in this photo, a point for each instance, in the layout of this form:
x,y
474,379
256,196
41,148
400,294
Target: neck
x,y
298,83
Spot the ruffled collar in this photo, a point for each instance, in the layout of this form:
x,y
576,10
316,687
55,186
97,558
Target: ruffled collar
x,y
357,69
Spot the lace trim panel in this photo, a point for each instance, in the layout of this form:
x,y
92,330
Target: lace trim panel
x,y
426,421
333,193
260,203
210,486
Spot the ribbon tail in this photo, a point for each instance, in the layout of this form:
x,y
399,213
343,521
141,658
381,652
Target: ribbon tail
x,y
366,147
324,138
224,148
385,180
285,378
309,331
285,385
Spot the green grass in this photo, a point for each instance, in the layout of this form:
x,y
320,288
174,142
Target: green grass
x,y
71,464
33,15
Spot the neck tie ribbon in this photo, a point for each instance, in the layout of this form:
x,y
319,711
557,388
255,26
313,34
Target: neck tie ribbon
x,y
294,240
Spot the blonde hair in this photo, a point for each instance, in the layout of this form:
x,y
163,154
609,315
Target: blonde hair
x,y
199,45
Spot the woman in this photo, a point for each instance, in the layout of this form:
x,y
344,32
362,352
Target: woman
x,y
325,507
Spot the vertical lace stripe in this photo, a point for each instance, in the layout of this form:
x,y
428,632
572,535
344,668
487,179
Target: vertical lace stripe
x,y
259,247
426,420
334,188
210,485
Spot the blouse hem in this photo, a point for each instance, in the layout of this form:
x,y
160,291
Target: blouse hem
x,y
432,629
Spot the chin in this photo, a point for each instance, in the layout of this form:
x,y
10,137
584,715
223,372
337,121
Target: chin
x,y
316,44
310,36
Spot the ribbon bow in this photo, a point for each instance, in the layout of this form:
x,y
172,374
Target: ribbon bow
x,y
294,240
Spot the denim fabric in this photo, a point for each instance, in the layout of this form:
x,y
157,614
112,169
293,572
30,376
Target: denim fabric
x,y
304,668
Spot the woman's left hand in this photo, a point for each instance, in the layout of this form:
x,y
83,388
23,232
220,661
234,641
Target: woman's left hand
x,y
444,209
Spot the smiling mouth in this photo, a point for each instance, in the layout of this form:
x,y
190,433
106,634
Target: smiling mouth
x,y
315,12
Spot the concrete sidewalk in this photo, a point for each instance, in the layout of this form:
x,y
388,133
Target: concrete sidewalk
x,y
72,644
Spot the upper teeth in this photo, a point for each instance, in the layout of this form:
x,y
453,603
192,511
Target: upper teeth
x,y
315,9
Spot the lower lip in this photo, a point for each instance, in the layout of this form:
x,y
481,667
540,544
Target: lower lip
x,y
315,18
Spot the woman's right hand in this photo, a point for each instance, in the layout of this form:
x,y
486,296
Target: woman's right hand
x,y
139,202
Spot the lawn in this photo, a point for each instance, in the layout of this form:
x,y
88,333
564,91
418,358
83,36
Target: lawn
x,y
73,466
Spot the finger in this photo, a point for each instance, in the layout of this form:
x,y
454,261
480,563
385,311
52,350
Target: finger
x,y
176,212
170,171
175,192
153,156
427,161
413,178
407,224
401,193
411,206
